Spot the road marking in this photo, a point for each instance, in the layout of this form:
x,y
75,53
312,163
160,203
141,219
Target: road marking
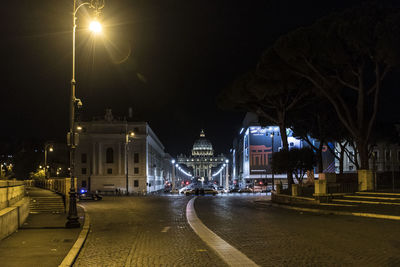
x,y
165,229
228,253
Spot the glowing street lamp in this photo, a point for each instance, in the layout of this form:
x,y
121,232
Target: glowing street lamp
x,y
227,175
72,137
95,27
47,147
127,140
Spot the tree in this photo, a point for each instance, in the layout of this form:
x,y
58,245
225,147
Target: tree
x,y
296,161
346,57
269,91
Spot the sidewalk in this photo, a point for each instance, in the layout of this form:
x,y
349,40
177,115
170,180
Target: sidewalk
x,y
375,205
42,241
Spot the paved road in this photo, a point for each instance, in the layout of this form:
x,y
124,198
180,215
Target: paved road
x,y
279,237
143,231
153,231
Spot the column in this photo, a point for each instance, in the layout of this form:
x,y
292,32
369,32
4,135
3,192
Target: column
x,y
94,165
119,158
100,153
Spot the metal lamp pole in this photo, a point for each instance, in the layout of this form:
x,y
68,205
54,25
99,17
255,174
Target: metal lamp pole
x,y
272,150
127,140
72,138
227,175
50,148
173,175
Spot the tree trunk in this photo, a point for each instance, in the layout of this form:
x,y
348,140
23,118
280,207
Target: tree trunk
x,y
285,145
362,147
319,157
341,158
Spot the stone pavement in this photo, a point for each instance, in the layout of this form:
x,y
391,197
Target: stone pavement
x,y
384,205
273,236
42,241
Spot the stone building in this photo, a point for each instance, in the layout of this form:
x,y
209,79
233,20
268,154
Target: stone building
x,y
202,161
103,156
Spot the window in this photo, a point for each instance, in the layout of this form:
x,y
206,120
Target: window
x,y
136,130
136,170
110,155
83,170
387,155
83,158
136,183
109,171
136,157
84,183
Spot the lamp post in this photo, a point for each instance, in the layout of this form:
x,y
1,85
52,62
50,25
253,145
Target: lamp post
x,y
72,137
272,150
173,176
48,147
127,140
227,175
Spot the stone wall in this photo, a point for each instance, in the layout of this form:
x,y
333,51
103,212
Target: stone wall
x,y
14,207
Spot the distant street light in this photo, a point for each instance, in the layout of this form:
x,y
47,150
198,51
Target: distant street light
x,y
272,150
173,175
48,147
127,140
72,137
227,175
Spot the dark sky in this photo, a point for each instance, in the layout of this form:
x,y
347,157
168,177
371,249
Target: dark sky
x,y
167,59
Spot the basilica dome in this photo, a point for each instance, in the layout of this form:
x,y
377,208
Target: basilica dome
x,y
202,146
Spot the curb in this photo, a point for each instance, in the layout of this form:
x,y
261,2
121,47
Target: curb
x,y
329,212
76,248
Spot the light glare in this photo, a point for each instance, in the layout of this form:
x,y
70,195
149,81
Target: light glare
x,y
95,26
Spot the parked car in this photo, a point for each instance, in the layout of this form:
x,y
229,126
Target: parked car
x,y
84,195
245,190
201,191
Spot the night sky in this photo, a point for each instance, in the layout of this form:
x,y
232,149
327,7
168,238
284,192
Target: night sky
x,y
166,59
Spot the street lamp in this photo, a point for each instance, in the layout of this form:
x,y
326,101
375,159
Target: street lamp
x,y
272,150
127,140
48,147
173,176
72,136
227,175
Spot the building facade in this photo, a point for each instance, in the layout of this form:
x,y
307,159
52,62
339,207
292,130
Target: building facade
x,y
252,152
202,161
104,160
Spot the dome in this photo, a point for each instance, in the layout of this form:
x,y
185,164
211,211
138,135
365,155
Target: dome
x,y
202,146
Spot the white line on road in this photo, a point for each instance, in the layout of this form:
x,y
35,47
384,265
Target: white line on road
x,y
165,229
231,255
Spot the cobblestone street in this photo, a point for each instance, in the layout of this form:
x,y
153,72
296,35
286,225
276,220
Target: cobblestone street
x,y
278,237
143,231
153,231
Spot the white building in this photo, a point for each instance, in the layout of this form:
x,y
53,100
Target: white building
x,y
102,157
202,159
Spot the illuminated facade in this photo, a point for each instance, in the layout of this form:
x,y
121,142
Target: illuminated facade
x,y
253,148
202,161
100,158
